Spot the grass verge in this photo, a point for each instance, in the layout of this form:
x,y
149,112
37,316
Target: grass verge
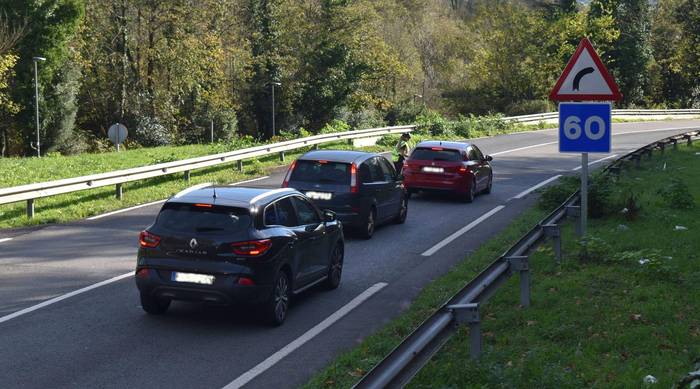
x,y
601,319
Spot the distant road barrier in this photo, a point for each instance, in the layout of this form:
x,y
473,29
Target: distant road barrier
x,y
32,192
398,368
543,117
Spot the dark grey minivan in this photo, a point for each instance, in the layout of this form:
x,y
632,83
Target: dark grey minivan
x,y
363,189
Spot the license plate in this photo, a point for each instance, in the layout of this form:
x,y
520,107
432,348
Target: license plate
x,y
430,169
203,279
319,195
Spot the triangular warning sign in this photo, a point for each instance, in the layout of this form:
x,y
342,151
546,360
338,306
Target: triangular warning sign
x,y
585,78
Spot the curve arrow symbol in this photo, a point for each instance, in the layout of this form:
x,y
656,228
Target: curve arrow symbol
x,y
579,76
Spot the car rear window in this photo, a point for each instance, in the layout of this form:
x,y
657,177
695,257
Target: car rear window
x,y
436,154
324,172
189,218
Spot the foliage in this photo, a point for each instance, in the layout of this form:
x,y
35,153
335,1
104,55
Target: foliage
x,y
592,249
677,194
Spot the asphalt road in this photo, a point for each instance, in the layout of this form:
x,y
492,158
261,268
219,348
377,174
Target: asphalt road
x,y
102,339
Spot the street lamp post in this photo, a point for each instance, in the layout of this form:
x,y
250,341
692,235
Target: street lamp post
x,y
36,102
273,106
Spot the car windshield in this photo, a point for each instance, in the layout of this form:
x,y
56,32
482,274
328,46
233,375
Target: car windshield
x,y
436,154
203,219
322,171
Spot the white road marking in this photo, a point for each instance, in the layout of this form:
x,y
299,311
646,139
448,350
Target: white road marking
x,y
461,231
308,335
594,162
524,148
125,210
248,181
63,297
159,201
534,188
5,239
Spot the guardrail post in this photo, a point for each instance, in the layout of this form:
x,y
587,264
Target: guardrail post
x,y
315,147
187,175
574,211
30,208
662,147
553,231
675,143
349,142
469,314
689,139
118,192
240,165
648,153
637,160
281,156
522,266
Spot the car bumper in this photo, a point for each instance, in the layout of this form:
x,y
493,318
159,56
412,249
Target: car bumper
x,y
223,291
455,185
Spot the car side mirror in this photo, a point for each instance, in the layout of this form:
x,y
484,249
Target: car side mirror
x,y
489,158
329,216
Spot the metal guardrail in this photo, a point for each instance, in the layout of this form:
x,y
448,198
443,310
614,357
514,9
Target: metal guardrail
x,y
51,188
403,363
538,117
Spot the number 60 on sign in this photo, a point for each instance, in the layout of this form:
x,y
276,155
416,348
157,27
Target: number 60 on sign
x,y
584,127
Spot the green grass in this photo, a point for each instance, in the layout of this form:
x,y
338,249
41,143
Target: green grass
x,y
605,321
79,205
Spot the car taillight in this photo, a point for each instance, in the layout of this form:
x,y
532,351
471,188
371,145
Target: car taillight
x,y
245,281
285,183
463,170
142,273
252,248
353,179
148,240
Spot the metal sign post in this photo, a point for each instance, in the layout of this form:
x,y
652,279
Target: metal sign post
x,y
585,127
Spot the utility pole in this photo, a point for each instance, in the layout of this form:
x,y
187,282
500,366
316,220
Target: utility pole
x,y
36,103
273,106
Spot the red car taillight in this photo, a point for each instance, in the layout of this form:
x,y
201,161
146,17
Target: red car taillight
x,y
285,183
353,179
142,273
148,240
463,170
252,248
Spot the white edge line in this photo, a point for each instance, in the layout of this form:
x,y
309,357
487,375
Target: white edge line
x,y
125,210
157,202
248,181
63,297
5,240
534,188
594,162
461,231
308,335
524,148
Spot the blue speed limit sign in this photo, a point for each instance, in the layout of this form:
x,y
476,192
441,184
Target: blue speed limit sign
x,y
584,127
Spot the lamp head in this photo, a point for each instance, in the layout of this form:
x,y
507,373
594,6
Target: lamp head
x,y
39,59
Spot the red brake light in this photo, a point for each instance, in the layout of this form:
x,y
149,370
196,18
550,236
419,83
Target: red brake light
x,y
353,179
322,161
252,248
463,169
245,281
285,183
436,148
142,273
203,205
148,240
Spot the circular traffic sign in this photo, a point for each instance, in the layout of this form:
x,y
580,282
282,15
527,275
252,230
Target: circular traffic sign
x,y
117,133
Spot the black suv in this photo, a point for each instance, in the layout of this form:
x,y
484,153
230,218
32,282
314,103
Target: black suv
x,y
363,189
227,245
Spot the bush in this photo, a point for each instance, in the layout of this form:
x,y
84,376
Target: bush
x,y
361,120
593,249
600,190
335,126
405,112
554,195
150,133
677,195
526,107
432,123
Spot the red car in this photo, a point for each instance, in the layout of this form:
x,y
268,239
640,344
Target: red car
x,y
453,167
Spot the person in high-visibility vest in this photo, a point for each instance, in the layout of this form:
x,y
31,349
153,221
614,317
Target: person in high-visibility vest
x,y
402,150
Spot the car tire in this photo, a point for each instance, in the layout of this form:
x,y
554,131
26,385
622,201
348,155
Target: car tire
x,y
367,229
488,188
153,305
277,306
335,270
471,193
403,211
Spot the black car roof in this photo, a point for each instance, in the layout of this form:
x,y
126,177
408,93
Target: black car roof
x,y
345,156
230,196
451,145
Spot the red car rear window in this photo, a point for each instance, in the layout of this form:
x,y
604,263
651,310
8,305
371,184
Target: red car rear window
x,y
430,154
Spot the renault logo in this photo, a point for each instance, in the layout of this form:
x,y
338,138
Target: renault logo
x,y
193,243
